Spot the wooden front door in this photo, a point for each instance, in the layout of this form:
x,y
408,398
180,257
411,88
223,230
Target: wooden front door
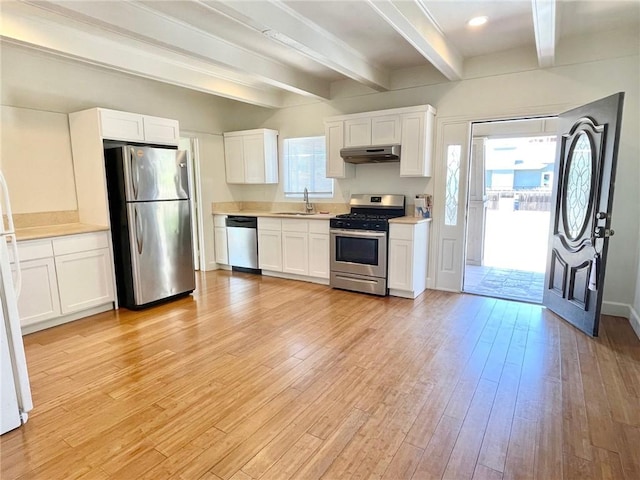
x,y
581,221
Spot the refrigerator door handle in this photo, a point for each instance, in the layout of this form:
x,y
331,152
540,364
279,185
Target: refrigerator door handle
x,y
135,175
10,232
18,280
139,238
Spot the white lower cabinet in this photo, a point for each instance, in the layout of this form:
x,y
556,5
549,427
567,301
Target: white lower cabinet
x,y
84,280
300,247
270,244
64,276
319,255
220,239
408,249
39,299
295,253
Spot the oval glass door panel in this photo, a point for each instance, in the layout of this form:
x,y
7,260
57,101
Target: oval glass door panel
x,y
578,187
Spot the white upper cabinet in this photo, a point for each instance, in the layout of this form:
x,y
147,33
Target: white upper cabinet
x,y
385,130
411,127
116,125
334,138
251,156
357,132
417,144
121,125
161,130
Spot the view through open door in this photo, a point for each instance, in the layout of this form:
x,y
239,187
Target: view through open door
x,y
581,220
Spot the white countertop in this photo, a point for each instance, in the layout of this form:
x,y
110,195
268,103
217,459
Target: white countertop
x,y
298,215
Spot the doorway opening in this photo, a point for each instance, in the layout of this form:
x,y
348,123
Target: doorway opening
x,y
509,210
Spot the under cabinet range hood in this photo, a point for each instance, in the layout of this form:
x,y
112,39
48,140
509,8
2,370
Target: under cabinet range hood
x,y
377,154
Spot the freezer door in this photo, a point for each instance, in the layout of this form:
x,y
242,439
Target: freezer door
x,y
161,250
154,174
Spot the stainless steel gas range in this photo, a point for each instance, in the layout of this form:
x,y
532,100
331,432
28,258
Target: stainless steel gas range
x,y
359,242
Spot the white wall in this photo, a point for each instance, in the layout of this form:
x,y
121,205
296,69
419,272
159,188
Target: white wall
x,y
36,160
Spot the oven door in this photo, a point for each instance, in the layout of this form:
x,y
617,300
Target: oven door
x,y
360,252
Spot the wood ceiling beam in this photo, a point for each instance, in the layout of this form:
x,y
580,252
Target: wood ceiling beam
x,y
140,22
27,26
281,23
412,20
544,26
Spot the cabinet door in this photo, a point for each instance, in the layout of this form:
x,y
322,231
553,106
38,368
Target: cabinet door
x,y
400,264
270,250
234,159
254,159
161,130
412,159
295,253
84,280
357,132
220,240
319,255
38,298
334,138
121,125
385,130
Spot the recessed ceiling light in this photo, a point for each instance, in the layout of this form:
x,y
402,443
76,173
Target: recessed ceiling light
x,y
477,21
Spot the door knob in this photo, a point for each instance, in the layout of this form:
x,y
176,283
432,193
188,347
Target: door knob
x,y
601,232
601,215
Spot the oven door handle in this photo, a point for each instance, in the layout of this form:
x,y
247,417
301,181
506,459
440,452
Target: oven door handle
x,y
358,233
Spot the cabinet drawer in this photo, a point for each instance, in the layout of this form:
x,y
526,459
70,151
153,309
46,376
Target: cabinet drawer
x,y
319,226
290,225
80,243
266,223
32,250
401,232
219,220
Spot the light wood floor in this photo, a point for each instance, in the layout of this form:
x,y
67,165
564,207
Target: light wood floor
x,y
256,377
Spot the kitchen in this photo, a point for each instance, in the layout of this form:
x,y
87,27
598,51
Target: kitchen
x,y
39,91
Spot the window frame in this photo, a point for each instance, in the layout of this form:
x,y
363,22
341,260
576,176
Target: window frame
x,y
286,159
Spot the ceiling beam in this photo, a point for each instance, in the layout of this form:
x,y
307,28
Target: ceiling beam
x,y
27,26
412,20
137,21
544,26
281,23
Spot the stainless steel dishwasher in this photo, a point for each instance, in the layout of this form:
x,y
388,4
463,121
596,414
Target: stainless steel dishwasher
x,y
242,239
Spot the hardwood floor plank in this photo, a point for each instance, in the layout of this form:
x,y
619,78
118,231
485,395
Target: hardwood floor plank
x,y
522,448
404,463
322,459
436,455
485,473
294,458
471,433
255,377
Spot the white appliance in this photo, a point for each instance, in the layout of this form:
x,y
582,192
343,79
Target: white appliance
x,y
15,392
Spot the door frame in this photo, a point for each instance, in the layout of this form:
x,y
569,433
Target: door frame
x,y
196,199
447,257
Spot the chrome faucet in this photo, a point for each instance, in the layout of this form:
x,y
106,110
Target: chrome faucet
x,y
308,207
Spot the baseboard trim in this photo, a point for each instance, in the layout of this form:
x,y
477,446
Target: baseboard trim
x,y
624,310
634,320
616,309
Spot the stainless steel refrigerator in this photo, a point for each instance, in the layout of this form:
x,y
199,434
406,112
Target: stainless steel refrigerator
x,y
150,223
